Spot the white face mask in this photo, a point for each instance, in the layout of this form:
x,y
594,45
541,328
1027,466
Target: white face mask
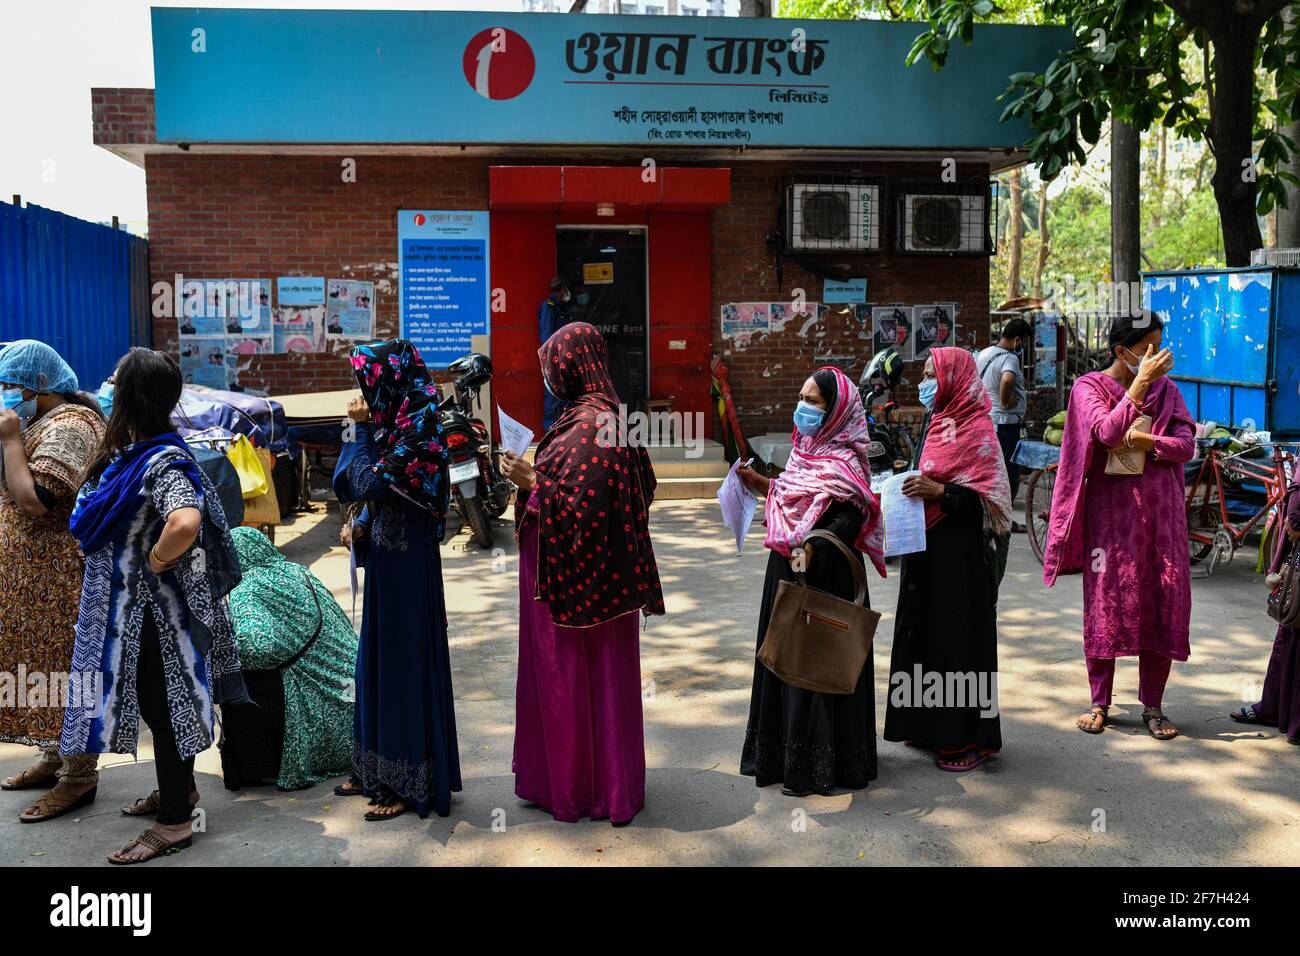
x,y
1135,368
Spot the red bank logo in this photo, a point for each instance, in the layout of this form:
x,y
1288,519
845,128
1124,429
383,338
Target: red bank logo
x,y
498,63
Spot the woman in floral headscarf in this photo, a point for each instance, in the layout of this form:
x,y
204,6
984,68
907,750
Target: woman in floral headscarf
x,y
807,741
586,572
404,752
943,675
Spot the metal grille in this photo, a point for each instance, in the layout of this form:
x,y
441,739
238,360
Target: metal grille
x,y
937,218
833,213
1275,257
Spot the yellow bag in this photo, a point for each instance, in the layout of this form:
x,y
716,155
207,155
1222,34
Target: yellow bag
x,y
252,477
263,509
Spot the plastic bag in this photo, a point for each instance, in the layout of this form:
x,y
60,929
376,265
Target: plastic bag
x,y
252,477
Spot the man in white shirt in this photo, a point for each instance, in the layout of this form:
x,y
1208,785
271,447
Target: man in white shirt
x,y
1004,380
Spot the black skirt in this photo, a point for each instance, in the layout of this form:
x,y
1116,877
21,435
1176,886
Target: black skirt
x,y
946,624
801,739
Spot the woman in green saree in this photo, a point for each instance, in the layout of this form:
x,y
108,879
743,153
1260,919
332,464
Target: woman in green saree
x,y
285,619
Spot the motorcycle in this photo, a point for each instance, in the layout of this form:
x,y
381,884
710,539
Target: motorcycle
x,y
890,448
478,489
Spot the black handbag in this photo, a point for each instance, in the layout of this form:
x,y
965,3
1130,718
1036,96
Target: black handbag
x,y
1284,599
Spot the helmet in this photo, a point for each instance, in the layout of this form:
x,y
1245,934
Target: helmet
x,y
883,371
472,371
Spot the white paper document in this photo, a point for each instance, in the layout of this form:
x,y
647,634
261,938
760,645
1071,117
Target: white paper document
x,y
738,504
514,436
904,517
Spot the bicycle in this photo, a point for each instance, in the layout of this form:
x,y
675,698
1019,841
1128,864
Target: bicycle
x,y
1212,536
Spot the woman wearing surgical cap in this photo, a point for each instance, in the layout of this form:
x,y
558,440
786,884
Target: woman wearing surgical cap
x,y
48,433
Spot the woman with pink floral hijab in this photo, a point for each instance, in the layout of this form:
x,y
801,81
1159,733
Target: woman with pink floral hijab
x,y
807,741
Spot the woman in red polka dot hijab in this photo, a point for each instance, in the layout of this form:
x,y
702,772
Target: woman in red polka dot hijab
x,y
586,566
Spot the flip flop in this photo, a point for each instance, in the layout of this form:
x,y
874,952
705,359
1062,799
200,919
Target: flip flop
x,y
359,792
1245,715
153,841
951,766
1103,713
148,806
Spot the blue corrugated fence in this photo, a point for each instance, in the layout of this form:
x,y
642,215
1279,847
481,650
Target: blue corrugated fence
x,y
78,286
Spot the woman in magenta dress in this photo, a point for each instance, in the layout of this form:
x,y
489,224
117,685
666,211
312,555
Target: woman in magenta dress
x,y
586,571
1126,533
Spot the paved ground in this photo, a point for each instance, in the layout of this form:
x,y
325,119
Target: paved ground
x,y
1221,794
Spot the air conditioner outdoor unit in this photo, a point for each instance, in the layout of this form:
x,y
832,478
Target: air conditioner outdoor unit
x,y
833,216
939,223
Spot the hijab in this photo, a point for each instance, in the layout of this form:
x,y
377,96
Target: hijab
x,y
411,454
595,561
827,466
960,444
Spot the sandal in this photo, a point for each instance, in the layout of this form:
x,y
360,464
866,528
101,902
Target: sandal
x,y
1246,715
148,806
52,806
1164,728
1089,723
153,841
955,763
383,803
27,780
346,789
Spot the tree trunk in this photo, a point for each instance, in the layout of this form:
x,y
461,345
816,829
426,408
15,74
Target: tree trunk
x,y
1231,131
1044,244
1288,219
1125,213
1016,228
755,8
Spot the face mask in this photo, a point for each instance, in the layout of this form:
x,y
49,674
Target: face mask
x,y
927,390
583,298
808,418
13,398
547,385
105,398
1135,368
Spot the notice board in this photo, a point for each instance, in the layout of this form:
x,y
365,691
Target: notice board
x,y
443,265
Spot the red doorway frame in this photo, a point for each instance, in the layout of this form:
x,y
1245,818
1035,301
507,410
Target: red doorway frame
x,y
528,204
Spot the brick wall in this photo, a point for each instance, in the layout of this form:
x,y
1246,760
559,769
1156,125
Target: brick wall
x,y
217,216
767,374
122,117
225,216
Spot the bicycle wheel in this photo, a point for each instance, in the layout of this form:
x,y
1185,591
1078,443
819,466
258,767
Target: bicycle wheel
x,y
1038,508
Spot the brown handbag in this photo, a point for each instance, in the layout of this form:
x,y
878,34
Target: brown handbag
x,y
818,641
1284,600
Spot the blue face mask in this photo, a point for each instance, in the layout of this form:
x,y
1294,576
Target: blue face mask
x,y
105,398
13,399
808,418
582,298
926,391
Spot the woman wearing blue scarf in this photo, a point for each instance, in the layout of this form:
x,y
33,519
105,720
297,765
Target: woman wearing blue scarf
x,y
153,633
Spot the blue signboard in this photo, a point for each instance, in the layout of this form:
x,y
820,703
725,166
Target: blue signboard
x,y
850,290
443,264
335,76
300,290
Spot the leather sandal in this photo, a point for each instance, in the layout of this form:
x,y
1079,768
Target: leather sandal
x,y
1089,724
1164,728
148,806
27,780
52,806
153,841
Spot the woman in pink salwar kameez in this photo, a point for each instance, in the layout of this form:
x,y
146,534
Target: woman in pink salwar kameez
x,y
1127,534
586,572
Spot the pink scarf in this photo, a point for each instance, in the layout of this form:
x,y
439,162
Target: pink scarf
x,y
828,466
961,445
